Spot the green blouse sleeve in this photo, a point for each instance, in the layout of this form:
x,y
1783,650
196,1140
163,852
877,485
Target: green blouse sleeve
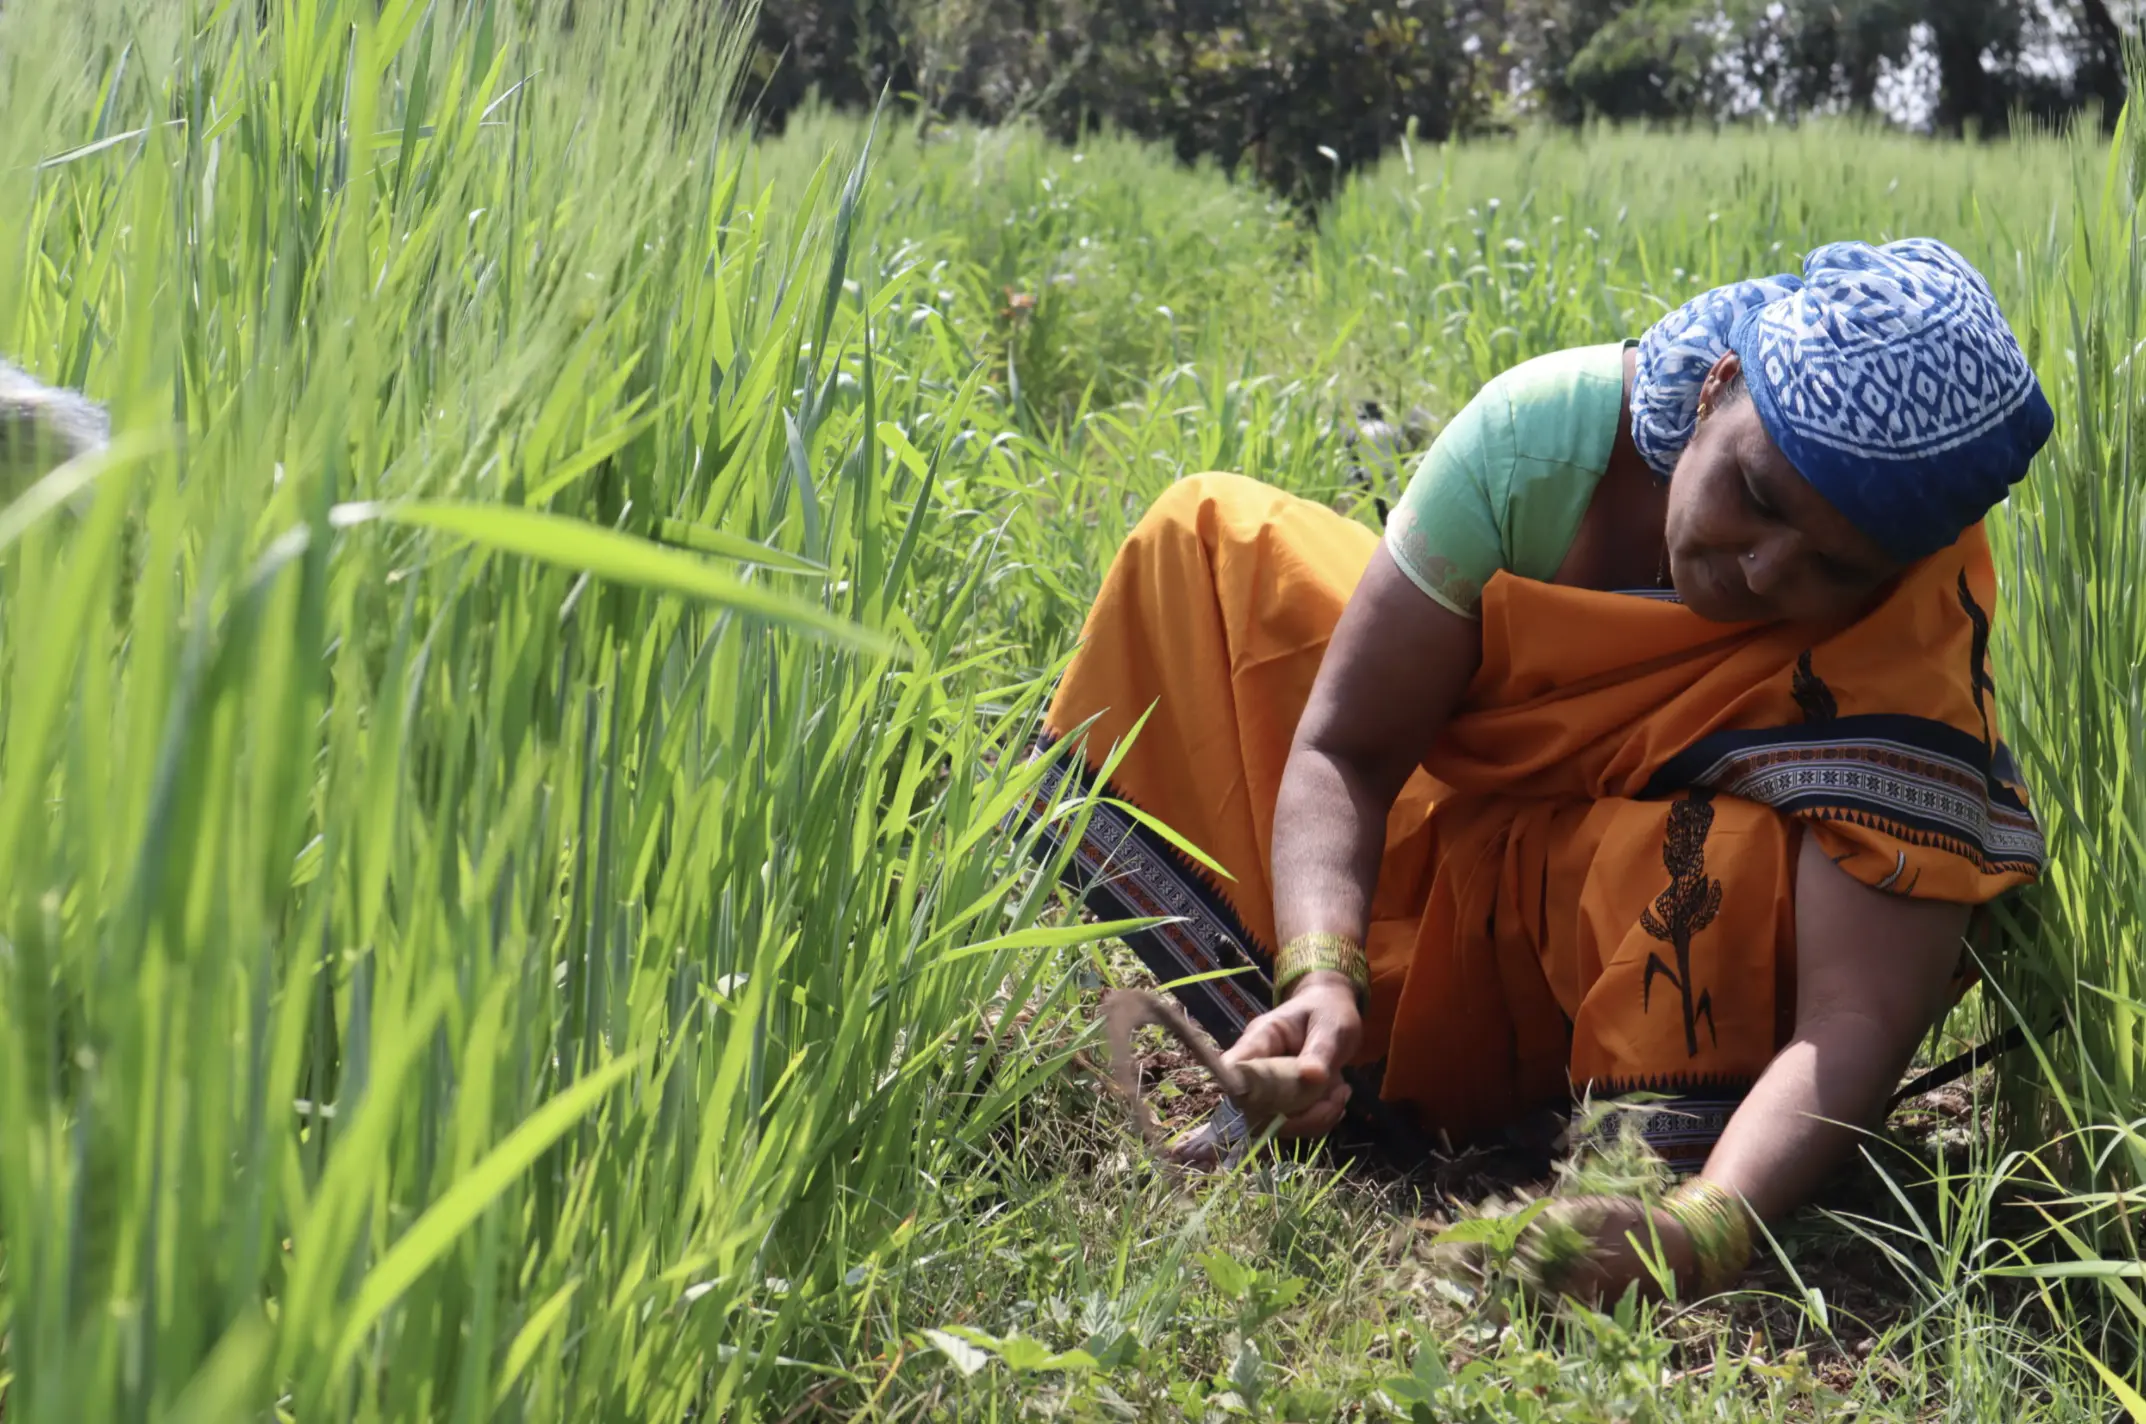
x,y
1506,484
1445,532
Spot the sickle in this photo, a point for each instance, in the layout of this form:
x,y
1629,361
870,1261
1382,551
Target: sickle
x,y
1263,1089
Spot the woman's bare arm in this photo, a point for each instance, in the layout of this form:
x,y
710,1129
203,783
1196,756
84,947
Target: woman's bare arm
x,y
1393,673
1873,974
1394,669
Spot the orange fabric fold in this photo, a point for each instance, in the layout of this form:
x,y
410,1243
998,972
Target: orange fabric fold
x,y
1588,886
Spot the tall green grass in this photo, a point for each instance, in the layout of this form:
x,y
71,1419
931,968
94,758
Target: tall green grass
x,y
2073,973
505,757
1459,261
506,887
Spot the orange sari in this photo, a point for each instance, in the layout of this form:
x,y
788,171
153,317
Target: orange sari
x,y
1588,886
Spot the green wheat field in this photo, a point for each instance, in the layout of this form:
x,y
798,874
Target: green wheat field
x,y
509,909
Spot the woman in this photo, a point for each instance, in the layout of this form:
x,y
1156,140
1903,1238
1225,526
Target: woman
x,y
1654,747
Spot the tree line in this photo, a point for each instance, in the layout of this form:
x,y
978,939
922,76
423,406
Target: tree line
x,y
1295,93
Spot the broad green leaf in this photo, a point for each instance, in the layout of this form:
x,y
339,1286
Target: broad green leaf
x,y
229,1383
1055,938
2133,1402
542,1321
965,1357
1187,848
731,546
1501,1232
623,558
435,1233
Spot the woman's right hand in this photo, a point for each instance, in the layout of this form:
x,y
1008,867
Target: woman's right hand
x,y
1318,1021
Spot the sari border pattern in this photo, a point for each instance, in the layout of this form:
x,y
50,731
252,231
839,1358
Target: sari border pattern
x,y
1681,1128
1919,780
1121,869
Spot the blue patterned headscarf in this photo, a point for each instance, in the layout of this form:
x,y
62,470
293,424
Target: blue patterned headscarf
x,y
1887,376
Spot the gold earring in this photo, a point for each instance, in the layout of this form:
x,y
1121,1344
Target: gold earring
x,y
1705,410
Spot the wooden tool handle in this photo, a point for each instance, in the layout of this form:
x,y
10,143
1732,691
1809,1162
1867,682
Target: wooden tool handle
x,y
1264,1089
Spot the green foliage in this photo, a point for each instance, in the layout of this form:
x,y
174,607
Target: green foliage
x,y
505,757
1655,60
1681,59
1821,55
1359,1322
1296,94
1651,60
491,898
1290,93
2072,638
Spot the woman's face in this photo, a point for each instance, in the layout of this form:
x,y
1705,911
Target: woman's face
x,y
1749,539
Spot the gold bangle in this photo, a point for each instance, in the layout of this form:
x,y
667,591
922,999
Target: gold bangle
x,y
1309,952
1719,1226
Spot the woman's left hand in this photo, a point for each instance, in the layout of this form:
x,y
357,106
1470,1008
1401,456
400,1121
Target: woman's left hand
x,y
1621,1246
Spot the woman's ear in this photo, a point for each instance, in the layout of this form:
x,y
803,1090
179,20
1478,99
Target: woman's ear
x,y
1724,373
